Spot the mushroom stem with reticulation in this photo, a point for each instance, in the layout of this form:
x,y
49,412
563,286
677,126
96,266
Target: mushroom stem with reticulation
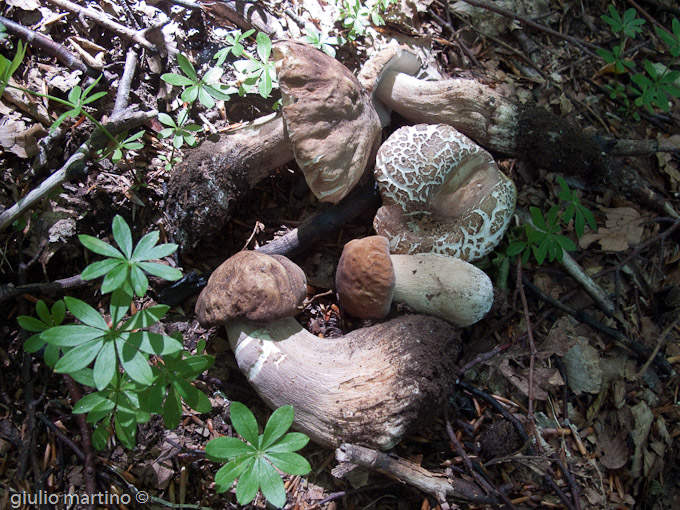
x,y
370,386
369,279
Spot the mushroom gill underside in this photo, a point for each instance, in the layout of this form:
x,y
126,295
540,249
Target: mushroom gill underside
x,y
368,387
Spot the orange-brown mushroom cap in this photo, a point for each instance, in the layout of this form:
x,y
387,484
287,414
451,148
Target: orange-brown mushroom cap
x,y
365,278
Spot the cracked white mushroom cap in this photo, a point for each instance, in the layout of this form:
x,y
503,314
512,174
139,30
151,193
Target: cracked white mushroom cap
x,y
369,387
329,118
368,279
442,193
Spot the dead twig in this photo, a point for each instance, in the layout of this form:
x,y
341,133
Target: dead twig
x,y
584,45
532,345
123,92
75,167
395,467
58,51
137,36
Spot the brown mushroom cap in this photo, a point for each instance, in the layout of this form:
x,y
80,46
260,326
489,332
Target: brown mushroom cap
x,y
253,286
365,278
441,193
330,119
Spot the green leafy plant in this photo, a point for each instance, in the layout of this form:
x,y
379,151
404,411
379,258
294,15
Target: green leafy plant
x,y
357,17
125,267
111,352
123,144
652,87
321,40
181,131
234,46
8,67
259,70
254,461
543,235
205,89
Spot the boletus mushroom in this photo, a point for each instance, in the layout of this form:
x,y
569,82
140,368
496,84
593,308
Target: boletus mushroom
x,y
330,120
441,193
368,279
369,387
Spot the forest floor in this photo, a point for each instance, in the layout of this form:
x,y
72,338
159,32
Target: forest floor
x,y
604,422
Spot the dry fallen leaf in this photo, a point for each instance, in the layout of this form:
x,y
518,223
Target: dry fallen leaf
x,y
611,446
623,228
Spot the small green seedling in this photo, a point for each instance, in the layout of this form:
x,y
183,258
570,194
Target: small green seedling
x,y
125,267
321,40
233,46
205,89
122,145
260,71
254,461
181,131
47,318
543,238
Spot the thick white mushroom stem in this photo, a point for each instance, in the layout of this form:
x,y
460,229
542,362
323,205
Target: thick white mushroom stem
x,y
474,109
367,387
442,286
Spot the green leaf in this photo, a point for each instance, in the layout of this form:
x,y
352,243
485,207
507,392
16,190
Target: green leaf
x,y
515,248
291,463
172,410
291,442
189,95
79,357
91,401
264,46
71,335
43,312
244,422
33,343
134,363
115,278
119,305
165,119
223,449
126,429
538,219
154,343
58,312
177,80
100,437
205,98
249,483
279,422
224,478
122,235
100,268
272,485
161,270
186,66
105,366
31,324
146,317
144,248
100,247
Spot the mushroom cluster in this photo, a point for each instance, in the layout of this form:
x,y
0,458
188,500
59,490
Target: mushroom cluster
x,y
445,202
369,387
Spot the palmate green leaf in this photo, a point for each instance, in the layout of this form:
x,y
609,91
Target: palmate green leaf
x,y
244,422
79,357
279,422
126,429
172,410
223,449
153,343
289,462
71,335
99,247
134,362
85,313
225,476
161,270
271,485
194,398
122,235
100,268
186,66
89,402
291,442
146,246
177,80
249,483
105,366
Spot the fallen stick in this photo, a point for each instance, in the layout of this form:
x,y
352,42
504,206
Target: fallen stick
x,y
75,166
440,487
